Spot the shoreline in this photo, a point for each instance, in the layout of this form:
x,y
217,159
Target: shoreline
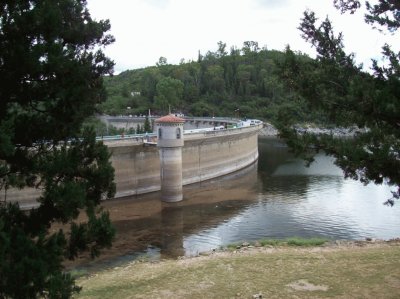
x,y
271,245
337,269
104,263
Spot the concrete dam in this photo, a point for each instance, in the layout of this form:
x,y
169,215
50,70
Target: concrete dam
x,y
205,155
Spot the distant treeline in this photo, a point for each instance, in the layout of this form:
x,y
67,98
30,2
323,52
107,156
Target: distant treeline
x,y
246,82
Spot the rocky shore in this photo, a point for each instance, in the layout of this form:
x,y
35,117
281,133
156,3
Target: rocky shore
x,y
270,130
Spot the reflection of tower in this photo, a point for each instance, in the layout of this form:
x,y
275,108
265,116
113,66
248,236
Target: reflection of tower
x,y
170,143
172,231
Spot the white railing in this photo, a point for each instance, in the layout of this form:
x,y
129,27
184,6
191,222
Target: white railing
x,y
207,132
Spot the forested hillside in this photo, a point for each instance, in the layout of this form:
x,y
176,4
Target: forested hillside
x,y
246,82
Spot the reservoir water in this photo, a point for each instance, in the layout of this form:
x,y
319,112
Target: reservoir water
x,y
277,197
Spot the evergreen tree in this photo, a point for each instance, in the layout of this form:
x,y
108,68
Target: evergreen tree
x,y
147,126
51,70
138,129
333,86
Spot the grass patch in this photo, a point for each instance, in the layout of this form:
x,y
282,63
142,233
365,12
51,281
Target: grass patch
x,y
296,241
352,272
77,273
232,246
293,241
271,242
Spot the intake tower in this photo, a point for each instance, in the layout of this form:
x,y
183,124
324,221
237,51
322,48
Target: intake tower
x,y
170,142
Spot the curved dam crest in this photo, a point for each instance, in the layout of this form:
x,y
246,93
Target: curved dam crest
x,y
205,155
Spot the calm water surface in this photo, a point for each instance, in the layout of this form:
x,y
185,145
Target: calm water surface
x,y
276,198
290,199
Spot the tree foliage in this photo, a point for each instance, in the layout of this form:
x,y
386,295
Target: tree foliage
x,y
51,69
168,92
147,125
334,86
218,83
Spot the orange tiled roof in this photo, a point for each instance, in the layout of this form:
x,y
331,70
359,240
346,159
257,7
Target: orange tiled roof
x,y
170,119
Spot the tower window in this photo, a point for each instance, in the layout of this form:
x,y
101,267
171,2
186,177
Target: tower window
x,y
178,133
159,133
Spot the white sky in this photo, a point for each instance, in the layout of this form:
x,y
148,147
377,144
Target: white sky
x,y
176,29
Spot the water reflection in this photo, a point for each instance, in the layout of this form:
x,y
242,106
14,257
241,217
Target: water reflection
x,y
278,197
172,219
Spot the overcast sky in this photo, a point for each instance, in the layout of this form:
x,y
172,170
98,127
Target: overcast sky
x,y
145,30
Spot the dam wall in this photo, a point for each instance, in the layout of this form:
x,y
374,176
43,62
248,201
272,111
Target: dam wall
x,y
205,155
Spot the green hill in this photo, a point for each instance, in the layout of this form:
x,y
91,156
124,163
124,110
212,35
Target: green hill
x,y
247,82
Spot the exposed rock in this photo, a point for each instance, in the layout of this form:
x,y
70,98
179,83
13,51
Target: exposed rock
x,y
335,132
304,285
270,130
258,296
